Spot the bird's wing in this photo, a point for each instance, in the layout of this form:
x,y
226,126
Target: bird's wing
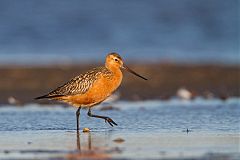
x,y
78,85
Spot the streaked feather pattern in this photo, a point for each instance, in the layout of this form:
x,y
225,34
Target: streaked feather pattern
x,y
79,84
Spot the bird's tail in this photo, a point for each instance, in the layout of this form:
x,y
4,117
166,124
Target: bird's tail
x,y
41,97
48,96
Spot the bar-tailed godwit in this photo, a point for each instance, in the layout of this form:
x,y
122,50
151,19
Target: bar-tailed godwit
x,y
92,87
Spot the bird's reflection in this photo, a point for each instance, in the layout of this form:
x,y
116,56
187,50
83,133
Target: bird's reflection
x,y
88,150
89,141
78,140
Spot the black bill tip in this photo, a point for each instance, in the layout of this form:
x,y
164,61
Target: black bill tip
x,y
131,71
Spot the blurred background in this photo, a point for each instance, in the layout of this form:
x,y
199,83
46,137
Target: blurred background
x,y
54,31
176,44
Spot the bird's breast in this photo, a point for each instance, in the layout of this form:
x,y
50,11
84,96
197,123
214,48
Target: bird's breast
x,y
102,88
105,85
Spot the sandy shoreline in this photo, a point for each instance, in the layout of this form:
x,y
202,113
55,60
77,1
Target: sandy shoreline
x,y
175,129
25,83
102,145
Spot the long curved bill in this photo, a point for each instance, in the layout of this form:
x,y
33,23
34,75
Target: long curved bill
x,y
131,71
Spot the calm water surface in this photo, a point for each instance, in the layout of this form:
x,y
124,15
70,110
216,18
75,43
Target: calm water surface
x,y
147,130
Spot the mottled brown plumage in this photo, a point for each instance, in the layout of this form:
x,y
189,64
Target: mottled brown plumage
x,y
92,87
79,84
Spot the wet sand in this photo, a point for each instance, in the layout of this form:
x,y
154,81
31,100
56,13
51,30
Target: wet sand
x,y
175,129
101,145
26,82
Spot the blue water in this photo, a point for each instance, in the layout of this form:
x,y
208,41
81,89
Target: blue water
x,y
36,32
175,116
174,129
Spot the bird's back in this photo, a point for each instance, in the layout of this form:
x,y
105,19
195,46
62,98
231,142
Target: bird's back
x,y
87,89
79,84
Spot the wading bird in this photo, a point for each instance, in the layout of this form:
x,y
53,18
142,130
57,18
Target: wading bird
x,y
92,87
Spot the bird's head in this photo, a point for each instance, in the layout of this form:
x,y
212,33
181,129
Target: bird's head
x,y
114,60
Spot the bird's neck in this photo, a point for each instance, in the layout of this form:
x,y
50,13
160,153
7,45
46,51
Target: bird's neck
x,y
114,69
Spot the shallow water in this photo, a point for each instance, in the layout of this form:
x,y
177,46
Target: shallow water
x,y
62,32
198,129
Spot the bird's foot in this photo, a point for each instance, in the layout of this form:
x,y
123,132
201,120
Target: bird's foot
x,y
110,121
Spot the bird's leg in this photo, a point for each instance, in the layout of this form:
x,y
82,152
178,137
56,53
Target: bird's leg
x,y
77,116
107,119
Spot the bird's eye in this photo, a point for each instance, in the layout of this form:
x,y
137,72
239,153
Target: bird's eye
x,y
116,60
